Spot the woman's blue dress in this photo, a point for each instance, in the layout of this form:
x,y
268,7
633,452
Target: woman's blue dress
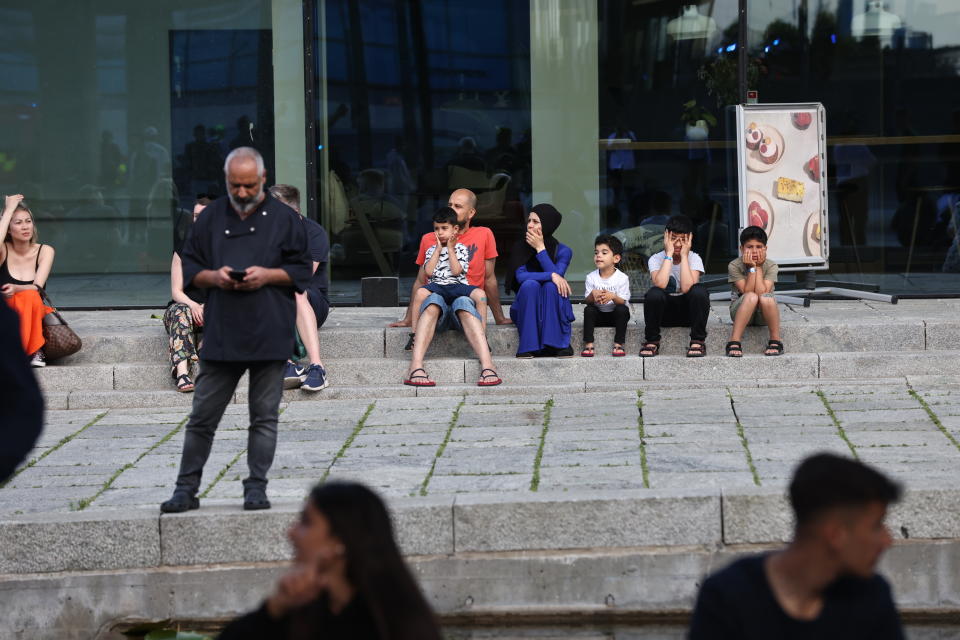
x,y
543,317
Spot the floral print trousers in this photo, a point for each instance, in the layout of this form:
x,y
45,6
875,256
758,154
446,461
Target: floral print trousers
x,y
184,336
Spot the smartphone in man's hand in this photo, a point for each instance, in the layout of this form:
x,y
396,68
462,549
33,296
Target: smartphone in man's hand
x,y
237,275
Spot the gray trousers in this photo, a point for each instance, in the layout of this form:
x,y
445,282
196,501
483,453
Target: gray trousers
x,y
216,383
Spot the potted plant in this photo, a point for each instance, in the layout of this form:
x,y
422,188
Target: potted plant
x,y
697,120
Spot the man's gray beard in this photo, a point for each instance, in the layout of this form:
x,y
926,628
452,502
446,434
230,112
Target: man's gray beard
x,y
245,207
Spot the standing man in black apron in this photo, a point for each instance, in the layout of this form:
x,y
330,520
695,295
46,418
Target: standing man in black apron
x,y
251,252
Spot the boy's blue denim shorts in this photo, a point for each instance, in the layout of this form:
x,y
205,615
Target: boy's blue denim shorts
x,y
448,312
450,292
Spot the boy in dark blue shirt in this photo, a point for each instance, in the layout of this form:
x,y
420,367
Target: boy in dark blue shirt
x,y
823,585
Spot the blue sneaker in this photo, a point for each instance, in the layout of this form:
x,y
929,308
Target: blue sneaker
x,y
293,375
316,379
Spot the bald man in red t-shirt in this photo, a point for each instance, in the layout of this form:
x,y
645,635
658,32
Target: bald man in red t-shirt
x,y
481,270
480,273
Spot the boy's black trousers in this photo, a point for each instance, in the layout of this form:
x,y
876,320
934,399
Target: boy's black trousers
x,y
690,309
618,318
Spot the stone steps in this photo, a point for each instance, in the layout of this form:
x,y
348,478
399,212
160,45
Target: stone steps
x,y
123,360
361,333
130,385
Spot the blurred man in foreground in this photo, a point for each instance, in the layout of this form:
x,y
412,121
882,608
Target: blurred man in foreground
x,y
822,585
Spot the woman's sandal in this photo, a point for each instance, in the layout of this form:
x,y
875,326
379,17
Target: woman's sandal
x,y
419,381
618,351
775,346
483,382
587,352
697,349
734,349
649,349
184,383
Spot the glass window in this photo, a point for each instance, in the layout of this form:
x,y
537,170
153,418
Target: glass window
x,y
415,100
111,137
887,71
668,72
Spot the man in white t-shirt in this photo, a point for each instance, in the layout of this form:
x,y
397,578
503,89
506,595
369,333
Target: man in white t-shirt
x,y
607,297
676,299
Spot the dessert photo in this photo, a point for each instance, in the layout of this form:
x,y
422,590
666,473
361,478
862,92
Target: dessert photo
x,y
759,212
801,119
767,149
811,235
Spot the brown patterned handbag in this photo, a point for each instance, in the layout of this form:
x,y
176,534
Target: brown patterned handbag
x,y
61,340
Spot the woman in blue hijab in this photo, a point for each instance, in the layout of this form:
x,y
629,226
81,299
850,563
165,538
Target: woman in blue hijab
x,y
541,310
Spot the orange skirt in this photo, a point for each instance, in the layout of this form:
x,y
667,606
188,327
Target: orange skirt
x,y
31,310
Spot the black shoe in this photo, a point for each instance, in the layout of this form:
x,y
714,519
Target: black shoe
x,y
255,500
180,502
409,345
566,352
526,355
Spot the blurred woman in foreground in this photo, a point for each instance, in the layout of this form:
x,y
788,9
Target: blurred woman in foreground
x,y
348,579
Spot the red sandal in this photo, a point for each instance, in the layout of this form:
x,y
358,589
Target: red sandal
x,y
483,382
419,381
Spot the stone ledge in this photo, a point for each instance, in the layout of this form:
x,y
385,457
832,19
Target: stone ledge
x,y
586,519
754,516
220,534
518,521
763,515
896,363
83,541
651,581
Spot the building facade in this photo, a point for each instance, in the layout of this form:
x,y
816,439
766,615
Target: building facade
x,y
115,115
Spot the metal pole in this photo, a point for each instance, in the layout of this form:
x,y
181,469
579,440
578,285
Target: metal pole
x,y
309,203
742,53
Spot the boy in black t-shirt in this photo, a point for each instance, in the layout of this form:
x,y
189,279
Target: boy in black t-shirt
x,y
823,585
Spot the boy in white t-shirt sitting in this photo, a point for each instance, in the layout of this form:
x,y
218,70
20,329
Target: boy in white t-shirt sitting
x,y
676,299
607,296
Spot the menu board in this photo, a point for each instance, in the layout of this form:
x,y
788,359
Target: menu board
x,y
781,153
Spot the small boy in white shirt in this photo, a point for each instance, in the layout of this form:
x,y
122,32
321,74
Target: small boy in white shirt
x,y
607,296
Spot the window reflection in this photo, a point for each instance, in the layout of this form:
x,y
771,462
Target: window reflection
x,y
884,70
421,98
668,71
113,116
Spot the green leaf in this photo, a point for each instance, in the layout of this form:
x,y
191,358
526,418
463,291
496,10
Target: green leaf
x,y
710,119
690,104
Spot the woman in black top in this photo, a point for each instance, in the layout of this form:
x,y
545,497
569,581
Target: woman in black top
x,y
348,580
25,265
